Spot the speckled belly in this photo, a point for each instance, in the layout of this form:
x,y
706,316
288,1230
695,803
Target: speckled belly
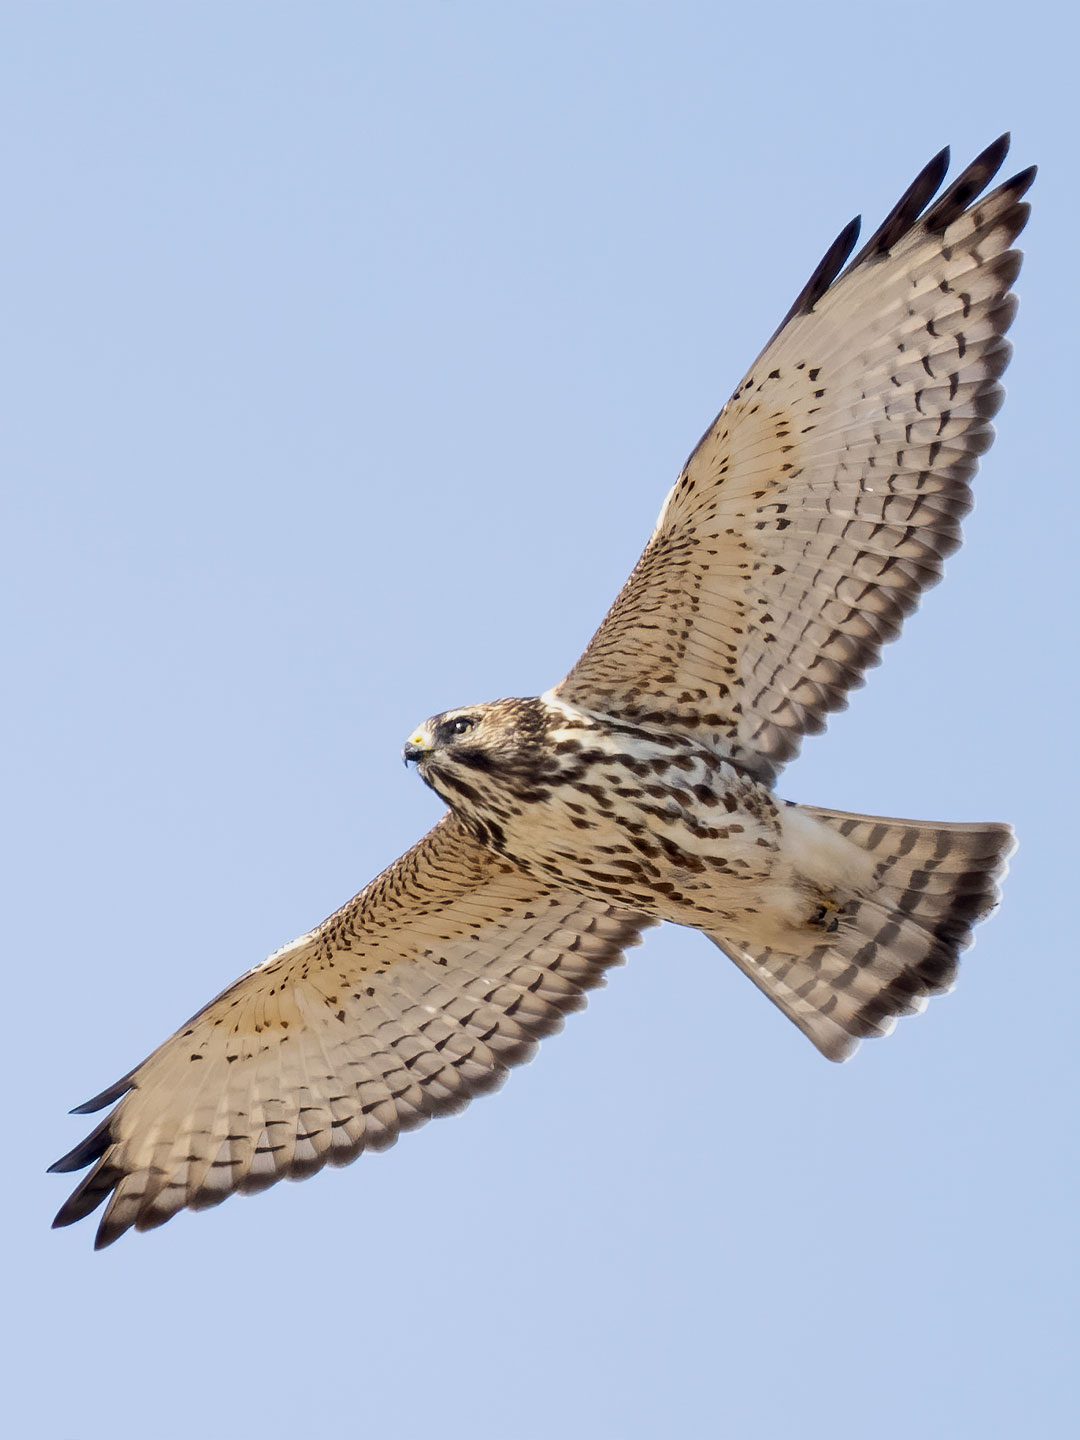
x,y
697,843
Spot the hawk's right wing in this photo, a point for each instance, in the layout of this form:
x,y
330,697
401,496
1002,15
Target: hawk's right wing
x,y
411,999
823,500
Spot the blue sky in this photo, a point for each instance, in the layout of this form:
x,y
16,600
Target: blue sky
x,y
350,350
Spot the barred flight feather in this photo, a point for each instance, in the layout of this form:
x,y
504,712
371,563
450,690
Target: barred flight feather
x,y
407,1003
823,500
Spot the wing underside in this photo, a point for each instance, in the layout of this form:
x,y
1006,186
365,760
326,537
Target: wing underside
x,y
824,499
414,998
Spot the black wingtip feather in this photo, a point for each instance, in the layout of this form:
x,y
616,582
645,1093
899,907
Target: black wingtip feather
x,y
837,262
107,1097
825,272
907,209
92,1191
86,1152
1022,181
968,184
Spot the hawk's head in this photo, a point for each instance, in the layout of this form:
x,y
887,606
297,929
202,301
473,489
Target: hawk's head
x,y
473,756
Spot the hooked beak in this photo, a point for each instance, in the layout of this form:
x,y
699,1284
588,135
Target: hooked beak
x,y
417,748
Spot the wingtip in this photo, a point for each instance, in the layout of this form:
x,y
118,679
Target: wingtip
x,y
65,1216
105,1097
993,157
938,165
932,175
970,183
851,231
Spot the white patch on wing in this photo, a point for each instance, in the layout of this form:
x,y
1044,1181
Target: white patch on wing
x,y
662,517
284,950
566,710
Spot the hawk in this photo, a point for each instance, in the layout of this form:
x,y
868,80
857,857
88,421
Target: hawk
x,y
804,527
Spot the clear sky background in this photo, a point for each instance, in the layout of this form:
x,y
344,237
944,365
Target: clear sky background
x,y
348,353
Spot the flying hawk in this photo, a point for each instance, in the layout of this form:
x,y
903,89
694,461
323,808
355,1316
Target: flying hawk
x,y
803,529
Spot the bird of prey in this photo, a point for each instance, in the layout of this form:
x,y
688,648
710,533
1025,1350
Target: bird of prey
x,y
802,530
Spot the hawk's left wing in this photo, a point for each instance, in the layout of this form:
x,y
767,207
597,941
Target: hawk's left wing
x,y
410,1000
822,502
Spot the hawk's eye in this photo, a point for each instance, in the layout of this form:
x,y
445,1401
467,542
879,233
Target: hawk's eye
x,y
461,726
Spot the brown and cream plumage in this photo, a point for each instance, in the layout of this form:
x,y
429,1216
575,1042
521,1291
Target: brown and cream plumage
x,y
803,529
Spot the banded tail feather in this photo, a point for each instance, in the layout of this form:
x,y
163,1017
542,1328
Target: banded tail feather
x,y
895,942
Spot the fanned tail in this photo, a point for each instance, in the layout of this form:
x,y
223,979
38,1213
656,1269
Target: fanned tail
x,y
884,950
